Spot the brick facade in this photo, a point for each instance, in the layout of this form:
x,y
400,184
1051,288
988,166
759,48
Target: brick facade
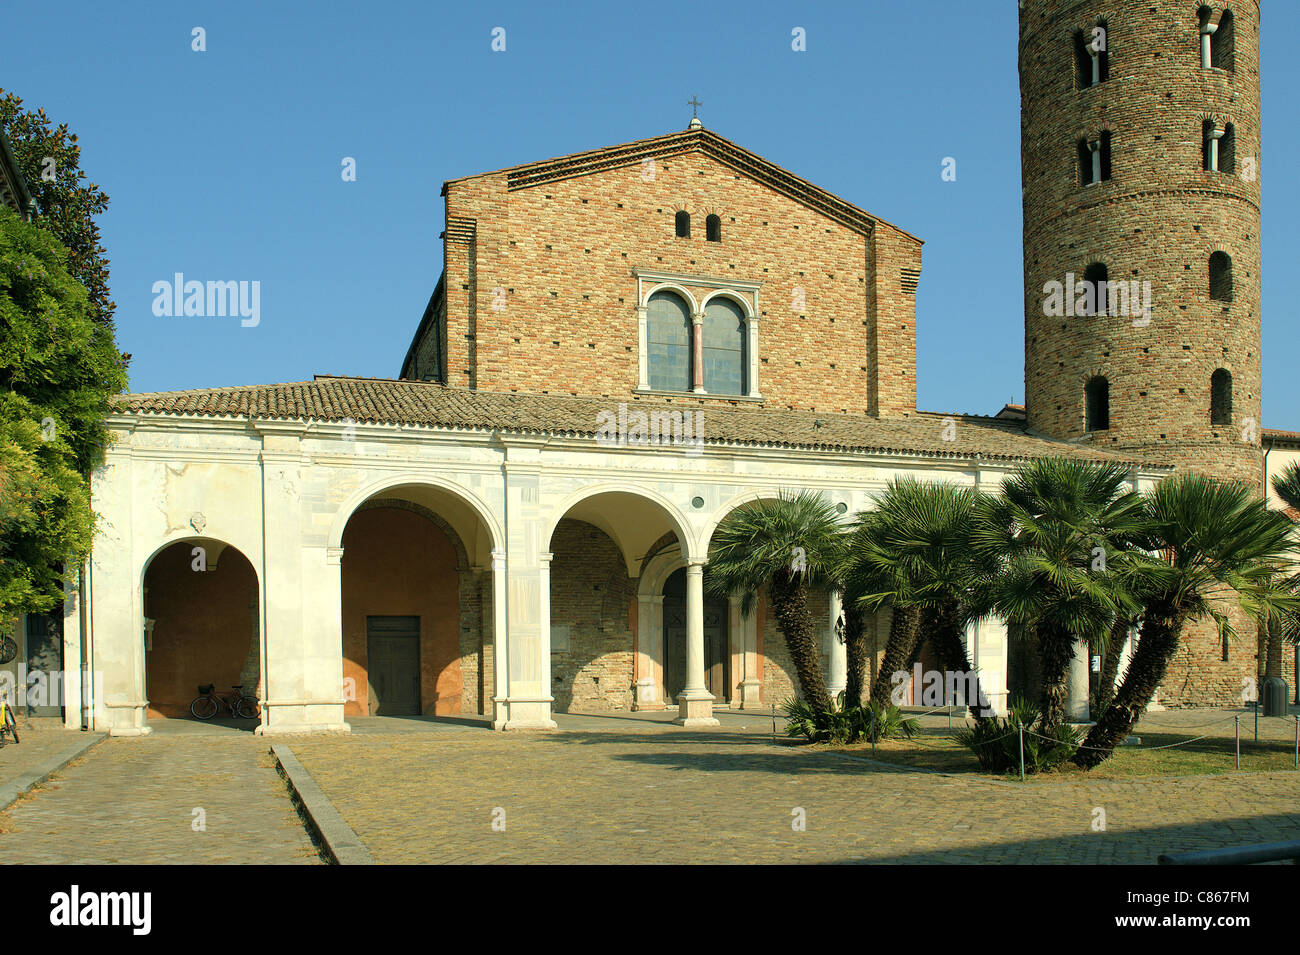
x,y
541,294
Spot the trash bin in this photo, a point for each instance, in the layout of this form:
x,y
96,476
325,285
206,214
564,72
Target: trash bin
x,y
1276,694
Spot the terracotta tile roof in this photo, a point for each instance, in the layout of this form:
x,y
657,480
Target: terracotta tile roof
x,y
1273,434
428,404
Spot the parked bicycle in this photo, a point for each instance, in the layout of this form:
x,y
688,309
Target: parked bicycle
x,y
8,722
241,705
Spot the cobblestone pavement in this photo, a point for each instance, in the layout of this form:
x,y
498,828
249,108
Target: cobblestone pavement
x,y
42,739
624,790
132,800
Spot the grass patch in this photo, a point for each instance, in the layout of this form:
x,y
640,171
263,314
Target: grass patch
x,y
1210,756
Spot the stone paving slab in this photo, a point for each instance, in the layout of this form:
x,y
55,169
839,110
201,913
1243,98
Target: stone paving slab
x,y
636,795
42,741
132,800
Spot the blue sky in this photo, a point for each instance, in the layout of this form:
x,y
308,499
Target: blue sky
x,y
226,164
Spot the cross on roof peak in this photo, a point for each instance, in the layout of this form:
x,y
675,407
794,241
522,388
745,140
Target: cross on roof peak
x,y
694,103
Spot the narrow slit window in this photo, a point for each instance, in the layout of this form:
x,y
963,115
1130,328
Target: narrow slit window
x,y
1221,397
1096,395
1097,278
1221,277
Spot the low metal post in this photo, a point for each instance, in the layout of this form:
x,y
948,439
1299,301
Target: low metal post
x,y
1256,703
1297,742
1236,725
1022,752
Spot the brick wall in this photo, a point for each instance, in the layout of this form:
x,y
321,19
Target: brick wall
x,y
836,328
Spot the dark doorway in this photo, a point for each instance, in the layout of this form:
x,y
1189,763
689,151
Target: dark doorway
x,y
717,656
44,665
393,664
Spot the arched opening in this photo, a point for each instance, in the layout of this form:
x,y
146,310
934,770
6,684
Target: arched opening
x,y
1221,277
1228,149
416,605
683,224
713,229
606,632
724,348
1221,397
202,625
668,341
1097,404
1223,46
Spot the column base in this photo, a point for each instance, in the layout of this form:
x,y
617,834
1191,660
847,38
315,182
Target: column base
x,y
646,697
299,729
527,715
695,710
130,730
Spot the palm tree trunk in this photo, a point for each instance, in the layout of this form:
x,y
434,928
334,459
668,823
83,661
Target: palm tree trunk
x,y
946,633
790,608
855,640
904,631
1056,650
1157,643
1110,664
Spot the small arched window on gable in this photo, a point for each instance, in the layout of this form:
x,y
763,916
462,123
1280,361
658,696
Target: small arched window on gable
x,y
724,348
1218,40
1221,277
683,220
1096,395
1221,397
1097,277
713,229
668,341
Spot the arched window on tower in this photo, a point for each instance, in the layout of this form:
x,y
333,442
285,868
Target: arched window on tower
x,y
724,348
1228,149
1221,277
1221,397
1097,276
1091,56
1094,159
713,229
668,339
1218,147
1218,40
683,220
1096,395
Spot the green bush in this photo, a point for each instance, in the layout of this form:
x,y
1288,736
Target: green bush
x,y
996,741
847,724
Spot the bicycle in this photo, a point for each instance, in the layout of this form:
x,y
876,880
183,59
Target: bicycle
x,y
8,723
207,704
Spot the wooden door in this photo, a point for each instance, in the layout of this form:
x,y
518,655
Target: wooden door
x,y
393,665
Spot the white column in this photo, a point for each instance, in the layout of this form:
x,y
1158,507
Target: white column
x,y
697,352
752,328
1076,707
1215,135
695,701
837,673
500,646
1095,148
1207,30
70,687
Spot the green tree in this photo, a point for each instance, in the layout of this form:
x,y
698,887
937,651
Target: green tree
x,y
1060,535
786,545
58,369
67,202
1214,542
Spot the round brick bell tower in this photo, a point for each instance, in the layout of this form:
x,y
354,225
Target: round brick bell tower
x,y
1140,151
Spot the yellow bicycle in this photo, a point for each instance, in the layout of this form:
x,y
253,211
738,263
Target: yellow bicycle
x,y
8,723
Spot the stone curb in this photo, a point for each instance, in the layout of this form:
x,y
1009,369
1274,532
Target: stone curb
x,y
13,788
340,841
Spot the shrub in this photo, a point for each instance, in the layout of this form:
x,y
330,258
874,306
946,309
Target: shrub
x,y
847,724
996,741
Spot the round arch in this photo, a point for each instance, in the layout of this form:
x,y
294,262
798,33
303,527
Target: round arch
x,y
719,515
496,536
730,295
674,288
677,522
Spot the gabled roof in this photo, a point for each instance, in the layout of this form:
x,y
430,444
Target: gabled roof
x,y
432,405
699,140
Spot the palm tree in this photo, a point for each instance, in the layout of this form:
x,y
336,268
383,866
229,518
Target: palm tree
x,y
1212,540
913,554
1286,486
786,545
1060,537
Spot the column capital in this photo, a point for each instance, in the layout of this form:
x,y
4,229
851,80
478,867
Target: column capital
x,y
545,558
333,556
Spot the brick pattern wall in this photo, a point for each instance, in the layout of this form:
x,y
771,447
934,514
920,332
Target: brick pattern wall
x,y
592,594
541,296
1156,220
